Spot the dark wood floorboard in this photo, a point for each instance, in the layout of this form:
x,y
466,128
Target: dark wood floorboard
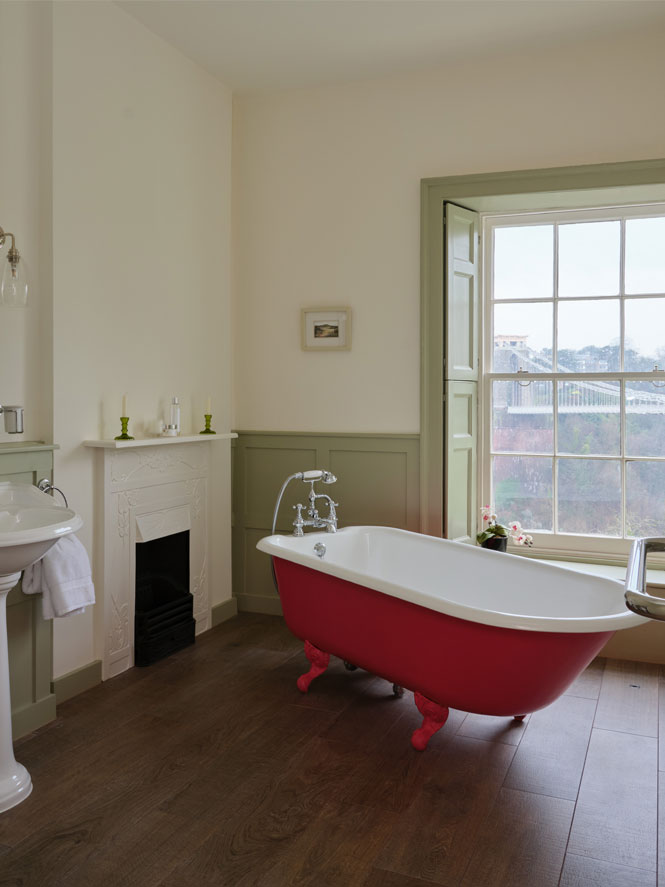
x,y
628,700
616,814
522,842
580,871
210,769
550,758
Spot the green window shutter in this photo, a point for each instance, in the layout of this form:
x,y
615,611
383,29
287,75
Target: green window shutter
x,y
461,294
460,463
462,345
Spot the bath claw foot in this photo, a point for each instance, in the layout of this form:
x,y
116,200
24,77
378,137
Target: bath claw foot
x,y
398,691
434,717
349,666
319,662
519,718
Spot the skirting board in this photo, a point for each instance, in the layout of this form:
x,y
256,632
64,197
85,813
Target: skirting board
x,y
78,681
256,603
225,610
33,716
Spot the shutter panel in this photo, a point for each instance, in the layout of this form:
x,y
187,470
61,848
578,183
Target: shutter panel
x,y
461,295
461,367
460,464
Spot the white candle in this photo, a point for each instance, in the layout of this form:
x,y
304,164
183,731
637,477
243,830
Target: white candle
x,y
209,406
124,406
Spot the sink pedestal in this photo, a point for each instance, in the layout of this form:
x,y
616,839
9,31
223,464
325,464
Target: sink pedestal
x,y
15,782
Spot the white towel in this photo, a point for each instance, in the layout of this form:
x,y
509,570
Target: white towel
x,y
64,577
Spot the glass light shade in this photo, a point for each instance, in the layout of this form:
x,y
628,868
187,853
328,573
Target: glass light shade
x,y
14,286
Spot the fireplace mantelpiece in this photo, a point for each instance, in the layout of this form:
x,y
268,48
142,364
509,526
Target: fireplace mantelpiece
x,y
144,489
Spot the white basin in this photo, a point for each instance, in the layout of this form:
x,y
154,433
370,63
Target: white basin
x,y
30,523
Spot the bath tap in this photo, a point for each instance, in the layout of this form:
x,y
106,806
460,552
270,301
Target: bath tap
x,y
310,477
13,419
316,521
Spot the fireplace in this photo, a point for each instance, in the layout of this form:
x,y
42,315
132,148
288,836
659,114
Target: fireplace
x,y
147,491
163,613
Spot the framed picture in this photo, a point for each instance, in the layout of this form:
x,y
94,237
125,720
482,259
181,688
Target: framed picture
x,y
324,329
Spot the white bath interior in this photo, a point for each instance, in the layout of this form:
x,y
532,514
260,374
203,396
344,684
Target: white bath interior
x,y
462,580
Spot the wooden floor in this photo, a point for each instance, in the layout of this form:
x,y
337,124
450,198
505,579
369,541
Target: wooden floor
x,y
209,768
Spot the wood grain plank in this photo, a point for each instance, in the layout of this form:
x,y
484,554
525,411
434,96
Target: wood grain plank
x,y
661,829
589,682
522,842
381,878
337,849
393,774
550,758
661,719
580,871
616,815
210,768
491,729
438,835
628,700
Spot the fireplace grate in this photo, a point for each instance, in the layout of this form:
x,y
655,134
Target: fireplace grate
x,y
163,621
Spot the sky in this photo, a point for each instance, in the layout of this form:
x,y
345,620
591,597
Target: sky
x,y
588,264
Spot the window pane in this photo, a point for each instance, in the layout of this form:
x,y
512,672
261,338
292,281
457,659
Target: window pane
x,y
523,262
522,490
645,334
589,497
523,417
589,259
645,419
645,498
589,340
645,255
523,338
589,418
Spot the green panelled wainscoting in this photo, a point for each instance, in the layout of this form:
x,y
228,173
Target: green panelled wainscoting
x,y
30,638
378,482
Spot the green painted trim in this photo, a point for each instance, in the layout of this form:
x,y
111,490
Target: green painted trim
x,y
33,716
256,603
77,681
224,611
36,446
555,178
378,483
434,192
397,435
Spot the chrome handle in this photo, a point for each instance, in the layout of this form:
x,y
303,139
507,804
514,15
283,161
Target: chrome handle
x,y
46,486
320,549
636,595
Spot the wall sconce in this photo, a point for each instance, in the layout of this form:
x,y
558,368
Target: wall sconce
x,y
14,286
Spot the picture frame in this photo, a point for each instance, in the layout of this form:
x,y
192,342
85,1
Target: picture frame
x,y
326,329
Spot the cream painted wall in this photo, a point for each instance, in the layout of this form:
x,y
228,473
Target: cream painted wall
x,y
327,209
25,200
141,237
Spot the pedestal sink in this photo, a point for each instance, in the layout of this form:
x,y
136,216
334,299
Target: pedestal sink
x,y
30,523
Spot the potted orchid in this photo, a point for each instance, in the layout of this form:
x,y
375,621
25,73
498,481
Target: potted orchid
x,y
495,535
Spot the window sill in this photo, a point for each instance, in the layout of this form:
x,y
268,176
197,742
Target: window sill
x,y
655,578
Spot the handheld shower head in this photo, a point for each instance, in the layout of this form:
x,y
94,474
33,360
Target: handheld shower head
x,y
327,477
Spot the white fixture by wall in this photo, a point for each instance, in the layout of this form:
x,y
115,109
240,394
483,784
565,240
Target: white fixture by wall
x,y
146,489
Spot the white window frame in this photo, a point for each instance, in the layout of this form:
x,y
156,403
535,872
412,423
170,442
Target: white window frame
x,y
601,549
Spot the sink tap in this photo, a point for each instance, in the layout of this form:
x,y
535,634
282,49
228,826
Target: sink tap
x,y
13,419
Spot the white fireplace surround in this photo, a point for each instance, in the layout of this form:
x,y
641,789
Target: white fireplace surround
x,y
144,491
